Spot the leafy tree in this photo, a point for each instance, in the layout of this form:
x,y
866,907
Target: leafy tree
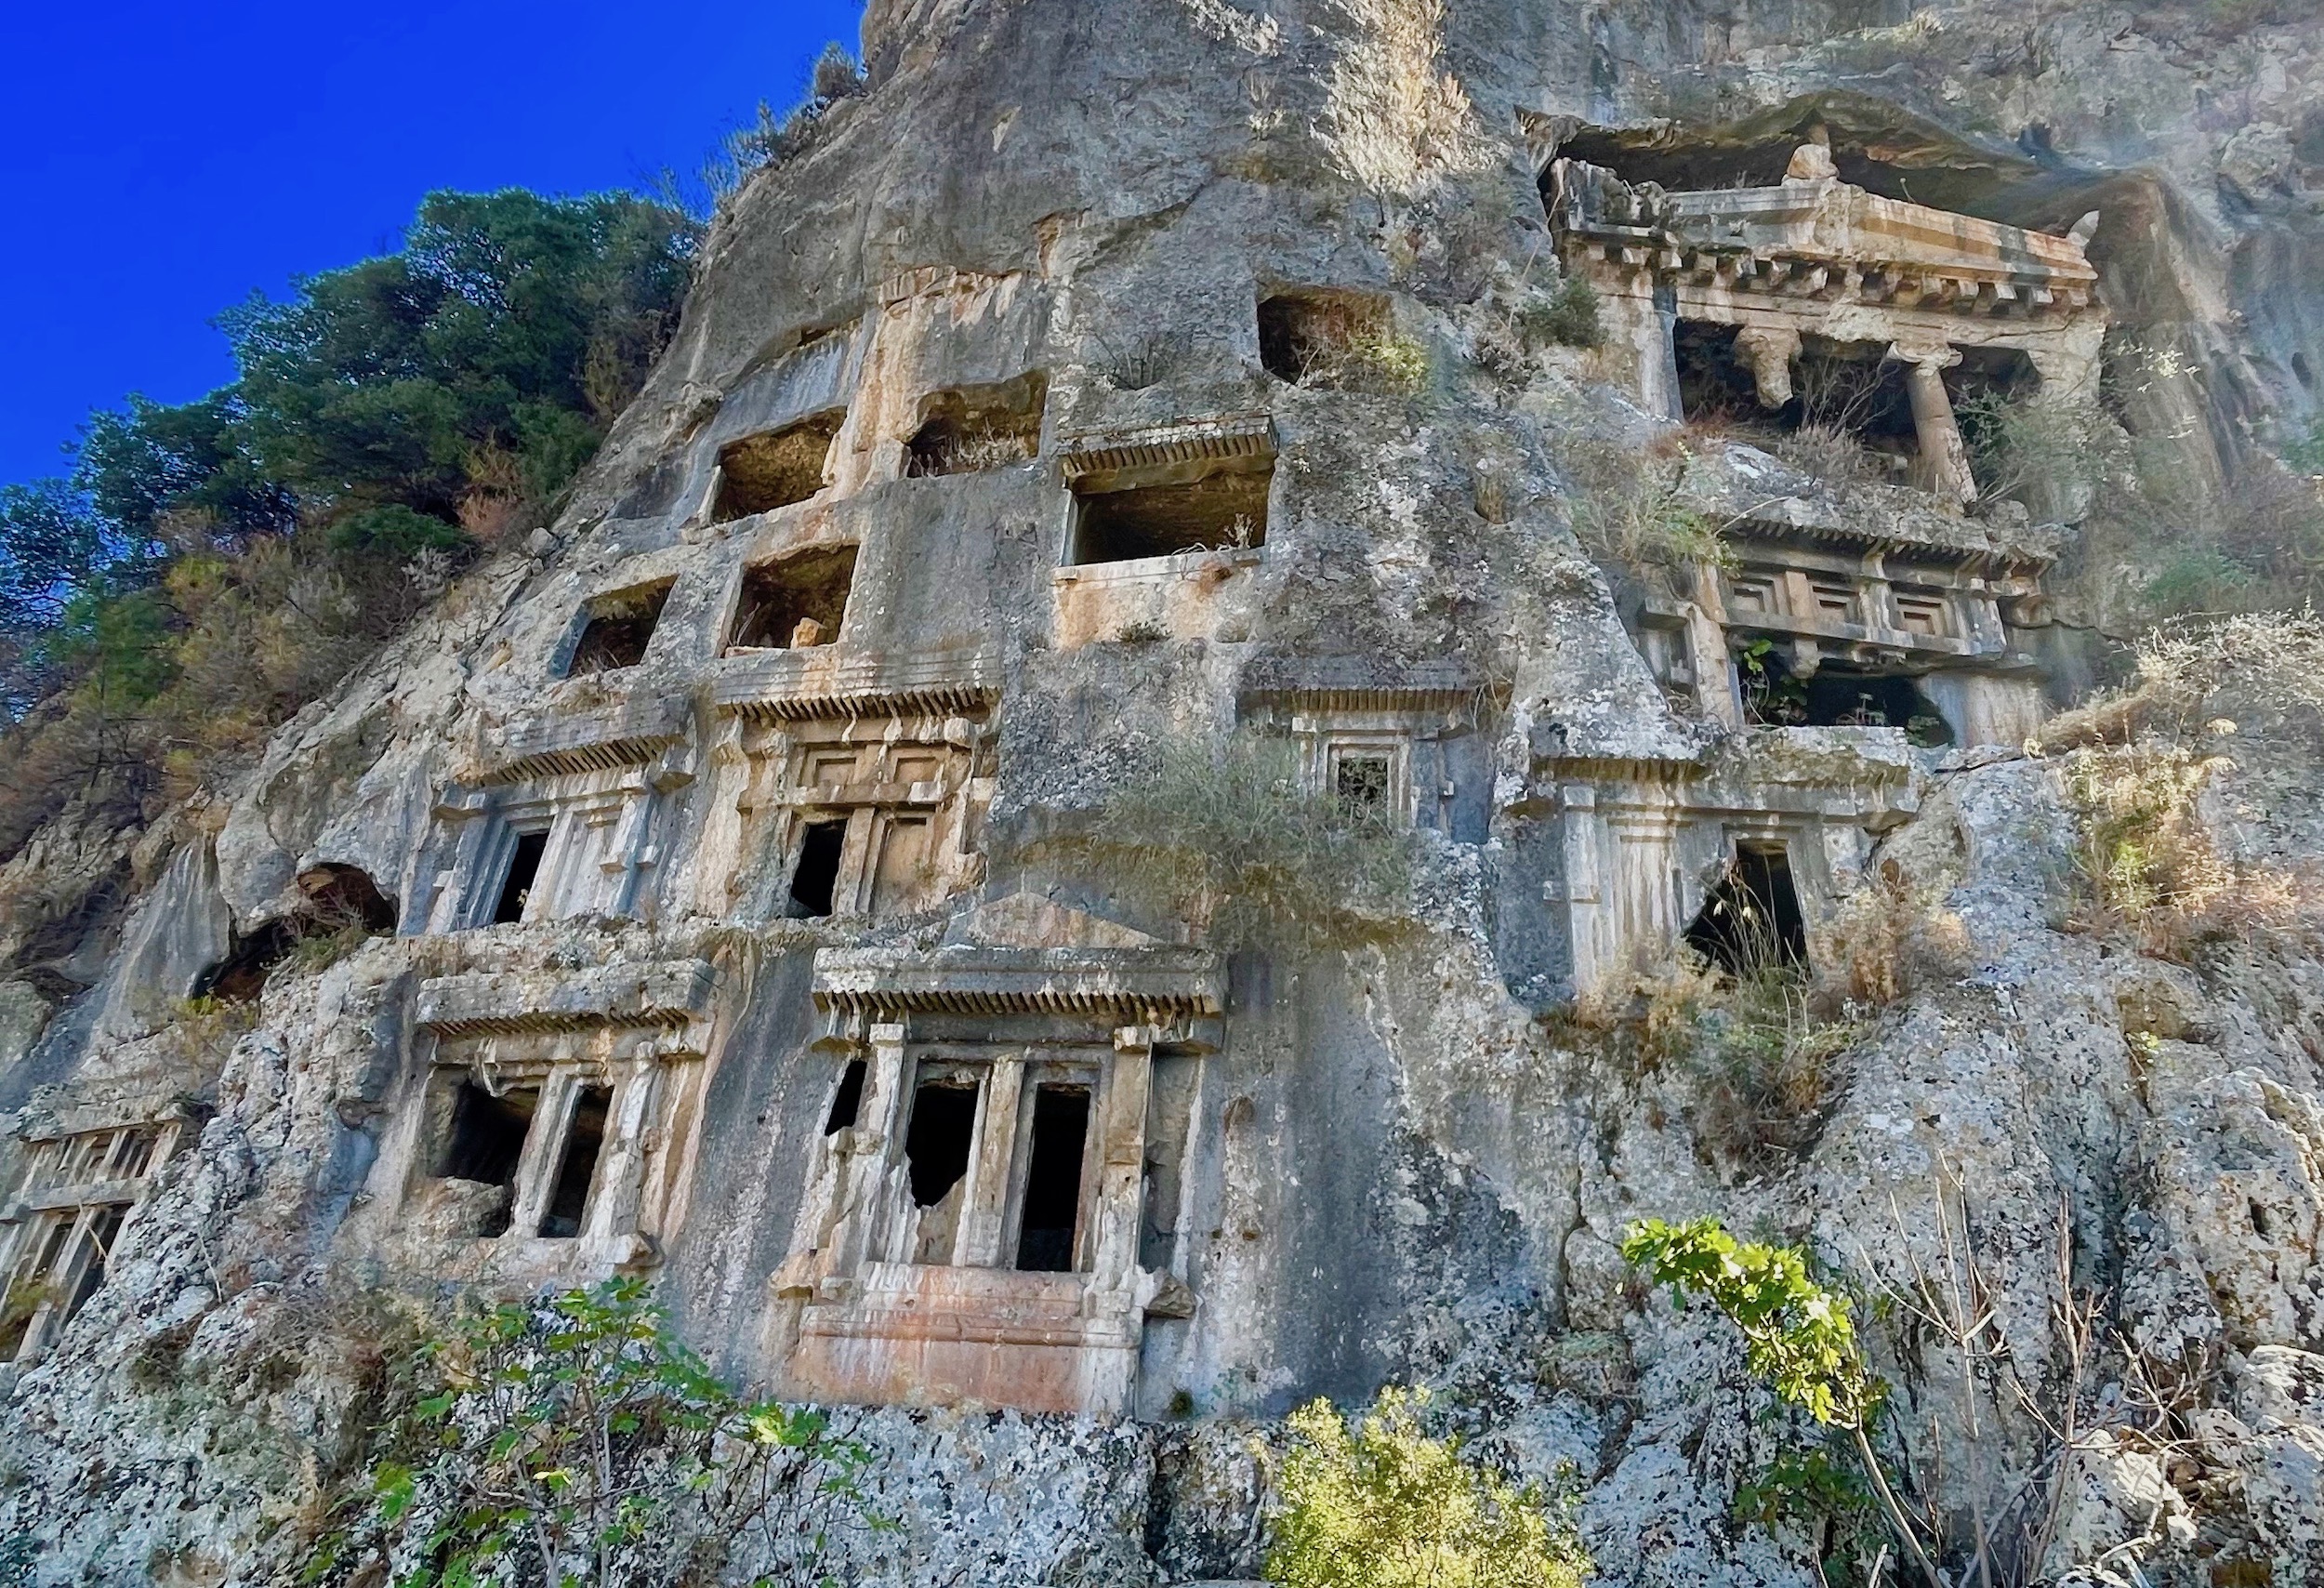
x,y
1797,1335
1377,1502
210,566
571,1441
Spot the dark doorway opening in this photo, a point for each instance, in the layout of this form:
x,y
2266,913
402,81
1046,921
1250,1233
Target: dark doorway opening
x,y
848,1101
817,872
1752,923
577,1171
1052,1181
487,1134
936,1145
102,1231
525,870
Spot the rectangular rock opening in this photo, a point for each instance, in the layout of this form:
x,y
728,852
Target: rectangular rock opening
x,y
794,601
1752,924
975,428
1842,694
577,1167
937,1143
816,872
1221,507
1845,399
1326,338
1051,1220
102,1231
776,468
486,1139
848,1101
617,630
524,871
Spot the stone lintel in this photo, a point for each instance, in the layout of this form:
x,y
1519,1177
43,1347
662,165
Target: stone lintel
x,y
825,681
629,732
666,993
1120,985
1360,683
1092,454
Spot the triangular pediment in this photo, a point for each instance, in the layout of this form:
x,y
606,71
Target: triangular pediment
x,y
1031,920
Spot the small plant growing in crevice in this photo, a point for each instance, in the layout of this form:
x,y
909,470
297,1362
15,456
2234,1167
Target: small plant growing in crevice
x,y
1377,1502
1797,1335
577,1440
1633,510
1568,316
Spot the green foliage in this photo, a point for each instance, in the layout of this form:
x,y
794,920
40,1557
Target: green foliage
x,y
1570,316
1826,1499
1233,835
1377,1502
1632,509
211,566
578,1441
1797,1335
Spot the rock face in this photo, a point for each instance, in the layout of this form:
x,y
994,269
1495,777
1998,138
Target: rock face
x,y
1114,385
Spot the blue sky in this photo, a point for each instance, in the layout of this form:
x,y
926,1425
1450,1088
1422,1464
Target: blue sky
x,y
162,161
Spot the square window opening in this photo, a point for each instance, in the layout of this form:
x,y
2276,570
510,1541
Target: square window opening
x,y
775,469
617,628
937,1143
1052,1223
577,1167
1334,340
796,602
1360,782
816,873
1224,509
524,871
847,1102
976,427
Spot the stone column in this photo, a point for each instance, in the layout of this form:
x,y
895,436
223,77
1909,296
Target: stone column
x,y
1121,1146
1943,465
1769,349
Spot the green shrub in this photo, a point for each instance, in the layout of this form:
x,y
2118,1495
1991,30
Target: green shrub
x,y
577,1440
1570,316
1232,836
1377,1502
395,531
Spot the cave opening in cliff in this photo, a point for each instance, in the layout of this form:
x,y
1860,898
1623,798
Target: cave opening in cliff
x,y
340,896
568,1204
1052,1218
815,875
617,629
775,469
486,1140
1322,337
937,1142
847,1102
971,428
242,975
1222,508
517,882
1752,922
794,601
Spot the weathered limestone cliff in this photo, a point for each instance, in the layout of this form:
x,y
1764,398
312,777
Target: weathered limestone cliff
x,y
758,864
